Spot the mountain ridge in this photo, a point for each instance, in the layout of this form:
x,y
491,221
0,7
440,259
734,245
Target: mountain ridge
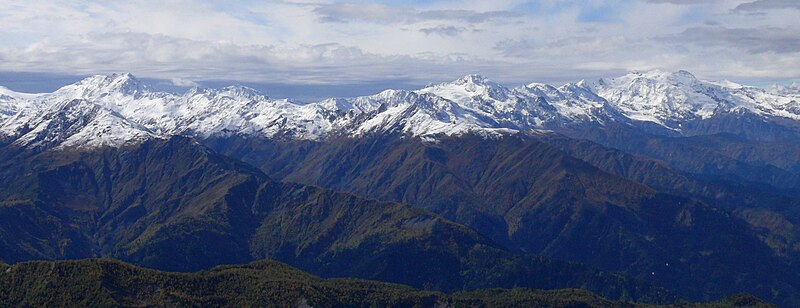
x,y
103,282
676,103
176,205
108,167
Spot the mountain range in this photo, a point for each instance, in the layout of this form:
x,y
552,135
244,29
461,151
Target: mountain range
x,y
116,109
654,186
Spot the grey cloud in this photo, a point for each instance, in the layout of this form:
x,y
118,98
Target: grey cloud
x,y
752,40
576,45
383,14
170,58
443,30
761,5
180,82
465,15
680,2
160,56
333,65
530,52
515,47
376,13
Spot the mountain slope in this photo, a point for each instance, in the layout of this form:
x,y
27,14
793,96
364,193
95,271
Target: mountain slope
x,y
528,195
263,283
723,156
94,169
764,208
671,98
175,205
688,106
75,123
670,104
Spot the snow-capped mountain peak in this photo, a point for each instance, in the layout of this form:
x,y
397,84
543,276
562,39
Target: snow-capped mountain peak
x,y
678,78
469,88
657,96
241,92
73,123
99,85
570,104
682,77
790,89
475,80
119,107
670,99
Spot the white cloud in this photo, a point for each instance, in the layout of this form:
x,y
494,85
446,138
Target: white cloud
x,y
325,42
180,82
760,5
382,14
443,30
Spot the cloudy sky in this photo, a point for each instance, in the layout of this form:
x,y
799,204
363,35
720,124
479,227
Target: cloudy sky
x,y
330,44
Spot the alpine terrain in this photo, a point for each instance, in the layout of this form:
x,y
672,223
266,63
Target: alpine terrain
x,y
649,188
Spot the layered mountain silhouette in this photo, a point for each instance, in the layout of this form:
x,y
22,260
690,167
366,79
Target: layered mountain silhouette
x,y
653,187
176,205
531,196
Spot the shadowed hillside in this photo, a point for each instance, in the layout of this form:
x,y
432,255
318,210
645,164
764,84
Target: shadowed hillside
x,y
175,205
106,283
535,197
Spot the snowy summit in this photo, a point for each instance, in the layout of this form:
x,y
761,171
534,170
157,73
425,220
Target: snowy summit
x,y
112,110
